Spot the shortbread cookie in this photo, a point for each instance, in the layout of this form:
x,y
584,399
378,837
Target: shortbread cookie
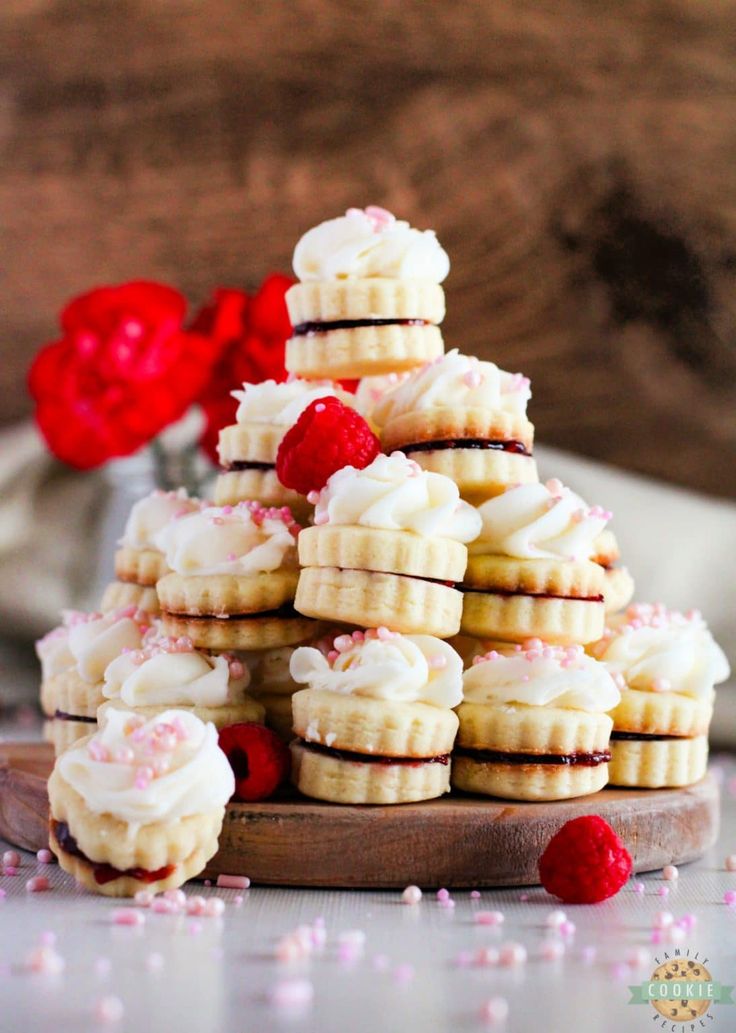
x,y
405,604
533,725
245,710
120,594
618,588
369,548
523,780
515,618
375,724
140,566
287,628
55,658
362,724
65,731
272,685
606,550
539,577
662,713
277,714
244,481
222,595
256,442
150,826
656,763
369,299
414,430
480,472
353,779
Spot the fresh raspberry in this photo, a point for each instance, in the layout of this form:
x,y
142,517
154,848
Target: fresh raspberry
x,y
259,759
584,862
327,436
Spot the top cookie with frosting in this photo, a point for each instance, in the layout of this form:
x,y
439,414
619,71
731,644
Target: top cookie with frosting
x,y
367,243
281,404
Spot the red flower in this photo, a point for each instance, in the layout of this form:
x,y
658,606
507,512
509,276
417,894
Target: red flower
x,y
253,332
123,370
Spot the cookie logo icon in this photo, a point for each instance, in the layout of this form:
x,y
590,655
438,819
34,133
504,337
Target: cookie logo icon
x,y
681,990
682,971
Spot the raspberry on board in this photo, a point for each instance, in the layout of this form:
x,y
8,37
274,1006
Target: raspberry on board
x,y
327,436
259,759
585,862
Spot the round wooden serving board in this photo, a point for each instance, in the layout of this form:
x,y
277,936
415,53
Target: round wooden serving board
x,y
460,841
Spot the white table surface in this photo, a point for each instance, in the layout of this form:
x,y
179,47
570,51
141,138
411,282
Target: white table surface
x,y
218,973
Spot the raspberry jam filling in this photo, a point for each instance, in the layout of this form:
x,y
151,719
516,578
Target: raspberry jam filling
x,y
61,715
304,329
369,758
517,447
245,464
412,577
587,760
507,594
644,737
104,873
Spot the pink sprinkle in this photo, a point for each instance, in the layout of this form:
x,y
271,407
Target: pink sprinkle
x,y
292,993
233,882
231,557
670,872
523,896
489,918
473,378
45,960
474,895
313,498
437,662
109,1009
486,957
38,884
403,973
12,858
664,919
3,894
638,957
44,856
238,900
214,907
639,887
555,918
143,898
663,891
385,634
449,903
161,906
657,936
196,905
127,916
678,934
443,894
320,407
411,895
688,921
176,896
553,950
729,897
495,1011
567,928
512,954
661,685
10,870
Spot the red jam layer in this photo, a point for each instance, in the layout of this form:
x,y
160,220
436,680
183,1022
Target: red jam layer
x,y
302,329
534,595
104,873
517,447
369,758
587,760
644,737
62,716
412,577
241,464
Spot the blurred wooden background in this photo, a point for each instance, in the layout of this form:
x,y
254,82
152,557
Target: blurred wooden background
x,y
577,158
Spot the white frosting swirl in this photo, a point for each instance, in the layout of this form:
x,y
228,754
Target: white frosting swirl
x,y
153,512
369,243
241,540
384,665
282,404
538,675
455,380
54,653
395,494
166,674
96,639
372,389
140,772
658,650
539,521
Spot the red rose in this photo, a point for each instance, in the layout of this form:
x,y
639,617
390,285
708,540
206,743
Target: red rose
x,y
252,333
123,370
